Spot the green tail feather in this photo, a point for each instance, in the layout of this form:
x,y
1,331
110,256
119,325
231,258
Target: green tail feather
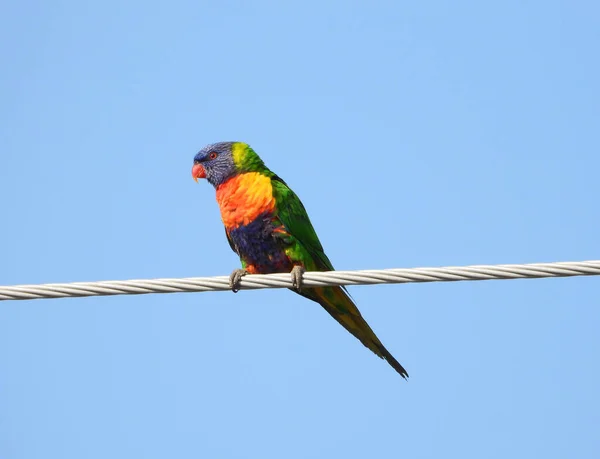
x,y
340,306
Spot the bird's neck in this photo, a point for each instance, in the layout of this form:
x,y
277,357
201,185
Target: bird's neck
x,y
244,198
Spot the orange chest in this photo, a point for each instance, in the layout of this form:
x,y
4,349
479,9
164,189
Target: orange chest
x,y
244,197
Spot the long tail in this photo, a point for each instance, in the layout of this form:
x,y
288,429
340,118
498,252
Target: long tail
x,y
340,306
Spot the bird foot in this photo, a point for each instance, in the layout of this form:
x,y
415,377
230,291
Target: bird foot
x,y
297,273
235,278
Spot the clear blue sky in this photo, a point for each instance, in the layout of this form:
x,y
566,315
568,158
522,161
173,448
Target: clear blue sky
x,y
416,133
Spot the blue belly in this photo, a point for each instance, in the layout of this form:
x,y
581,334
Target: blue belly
x,y
256,244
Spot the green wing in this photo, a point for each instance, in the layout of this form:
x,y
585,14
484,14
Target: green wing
x,y
301,239
302,245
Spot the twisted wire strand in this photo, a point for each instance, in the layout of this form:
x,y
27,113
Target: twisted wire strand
x,y
311,279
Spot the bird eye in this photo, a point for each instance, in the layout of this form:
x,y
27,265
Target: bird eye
x,y
212,155
196,161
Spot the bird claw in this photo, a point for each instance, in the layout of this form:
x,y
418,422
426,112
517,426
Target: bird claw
x,y
235,278
297,273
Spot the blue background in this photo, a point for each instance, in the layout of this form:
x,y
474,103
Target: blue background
x,y
416,133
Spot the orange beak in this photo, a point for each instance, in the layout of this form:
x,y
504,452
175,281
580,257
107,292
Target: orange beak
x,y
198,171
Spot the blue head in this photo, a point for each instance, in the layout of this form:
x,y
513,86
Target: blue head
x,y
215,163
218,162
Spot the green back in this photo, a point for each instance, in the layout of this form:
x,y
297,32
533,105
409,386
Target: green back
x,y
306,247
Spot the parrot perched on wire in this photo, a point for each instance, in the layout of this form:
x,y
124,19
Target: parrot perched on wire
x,y
268,227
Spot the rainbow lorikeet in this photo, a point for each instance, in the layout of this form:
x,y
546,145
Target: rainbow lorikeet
x,y
268,227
